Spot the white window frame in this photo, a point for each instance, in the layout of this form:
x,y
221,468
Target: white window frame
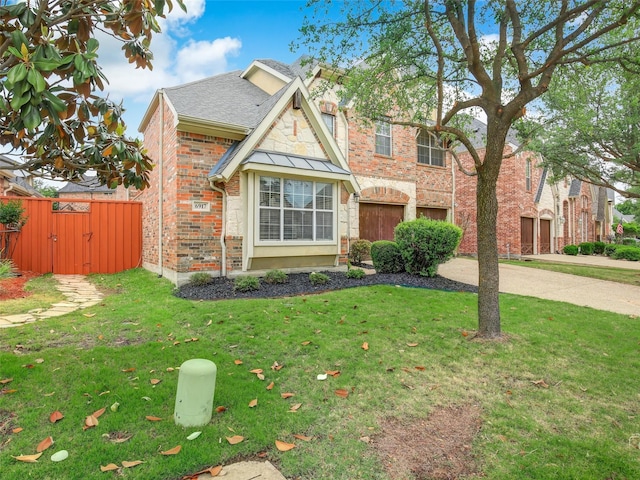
x,y
330,121
434,144
383,131
282,209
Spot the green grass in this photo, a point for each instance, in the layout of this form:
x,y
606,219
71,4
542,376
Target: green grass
x,y
619,275
43,294
578,427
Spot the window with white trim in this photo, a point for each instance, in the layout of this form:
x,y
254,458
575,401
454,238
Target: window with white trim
x,y
430,149
330,121
294,210
383,138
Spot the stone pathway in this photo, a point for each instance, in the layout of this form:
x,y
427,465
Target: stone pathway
x,y
79,292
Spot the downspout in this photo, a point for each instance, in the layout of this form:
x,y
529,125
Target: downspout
x,y
160,185
453,190
223,245
11,185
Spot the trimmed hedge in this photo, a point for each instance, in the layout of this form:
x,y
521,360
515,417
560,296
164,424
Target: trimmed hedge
x,y
629,241
360,250
386,257
627,253
598,247
570,250
586,248
610,249
425,244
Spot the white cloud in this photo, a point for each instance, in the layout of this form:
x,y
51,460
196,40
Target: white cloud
x,y
202,59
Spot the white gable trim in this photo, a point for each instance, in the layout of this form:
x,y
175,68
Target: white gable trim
x,y
258,65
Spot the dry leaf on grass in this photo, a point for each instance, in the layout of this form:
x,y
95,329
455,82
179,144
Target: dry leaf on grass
x,y
342,393
270,386
56,416
238,362
109,468
220,409
99,413
295,407
17,430
287,395
256,370
284,446
412,344
365,346
172,451
302,437
135,463
540,383
155,381
28,458
152,418
44,444
235,439
5,381
253,403
333,373
90,422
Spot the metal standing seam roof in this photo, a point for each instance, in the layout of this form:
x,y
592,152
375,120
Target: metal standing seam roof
x,y
293,161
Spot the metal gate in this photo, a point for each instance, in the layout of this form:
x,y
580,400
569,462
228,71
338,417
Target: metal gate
x,y
73,236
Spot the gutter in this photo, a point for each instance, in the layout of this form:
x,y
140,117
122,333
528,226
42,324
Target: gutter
x,y
223,245
161,186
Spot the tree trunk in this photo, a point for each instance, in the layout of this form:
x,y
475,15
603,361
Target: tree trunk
x,y
486,220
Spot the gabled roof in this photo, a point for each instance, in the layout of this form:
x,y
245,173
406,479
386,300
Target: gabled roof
x,y
18,183
478,133
87,184
543,180
575,187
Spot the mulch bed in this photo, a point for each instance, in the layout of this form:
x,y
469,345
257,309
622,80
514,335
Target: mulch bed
x,y
13,287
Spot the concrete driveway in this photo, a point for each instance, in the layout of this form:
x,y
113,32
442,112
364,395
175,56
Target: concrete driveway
x,y
533,282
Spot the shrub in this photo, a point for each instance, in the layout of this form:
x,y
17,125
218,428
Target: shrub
x,y
386,257
12,213
246,283
276,277
570,250
586,248
7,269
360,250
356,273
598,247
318,278
627,253
200,278
610,249
425,244
629,241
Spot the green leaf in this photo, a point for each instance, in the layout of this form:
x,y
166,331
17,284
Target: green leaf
x,y
17,73
31,117
19,100
35,78
56,104
19,39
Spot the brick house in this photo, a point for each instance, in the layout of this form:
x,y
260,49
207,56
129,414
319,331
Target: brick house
x,y
12,184
253,172
535,216
89,188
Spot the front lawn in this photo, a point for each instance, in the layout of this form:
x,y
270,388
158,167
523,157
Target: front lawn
x,y
557,399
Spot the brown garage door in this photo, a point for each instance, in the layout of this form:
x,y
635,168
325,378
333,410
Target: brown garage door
x,y
545,236
377,221
526,236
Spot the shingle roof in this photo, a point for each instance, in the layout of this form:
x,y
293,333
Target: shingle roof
x,y
575,187
225,98
543,179
86,184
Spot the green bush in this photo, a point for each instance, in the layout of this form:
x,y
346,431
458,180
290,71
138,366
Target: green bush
x,y
246,283
629,241
276,277
570,250
317,278
356,273
7,269
598,247
12,213
610,249
386,257
627,253
360,250
425,244
200,278
586,248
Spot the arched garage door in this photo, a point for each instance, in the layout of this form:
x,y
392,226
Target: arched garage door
x,y
377,220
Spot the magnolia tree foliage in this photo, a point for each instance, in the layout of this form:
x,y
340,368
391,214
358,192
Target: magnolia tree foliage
x,y
592,126
50,113
431,63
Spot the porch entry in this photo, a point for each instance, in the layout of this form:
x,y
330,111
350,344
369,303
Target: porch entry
x,y
378,220
526,236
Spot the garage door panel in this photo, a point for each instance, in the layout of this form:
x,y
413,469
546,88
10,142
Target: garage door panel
x,y
377,221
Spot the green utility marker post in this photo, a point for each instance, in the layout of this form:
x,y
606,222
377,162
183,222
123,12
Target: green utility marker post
x,y
196,387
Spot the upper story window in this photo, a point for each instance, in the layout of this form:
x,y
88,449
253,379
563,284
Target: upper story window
x,y
383,138
330,121
527,175
293,210
430,149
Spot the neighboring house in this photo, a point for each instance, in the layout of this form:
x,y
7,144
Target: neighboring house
x,y
11,183
87,188
253,173
535,216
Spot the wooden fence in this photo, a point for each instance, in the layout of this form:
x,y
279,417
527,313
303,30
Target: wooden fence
x,y
72,236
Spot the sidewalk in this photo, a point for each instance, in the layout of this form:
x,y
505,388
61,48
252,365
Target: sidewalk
x,y
562,287
596,261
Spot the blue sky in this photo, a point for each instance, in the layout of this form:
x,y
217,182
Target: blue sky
x,y
214,36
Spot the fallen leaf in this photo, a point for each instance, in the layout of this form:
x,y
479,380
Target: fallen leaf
x,y
465,333
51,394
106,392
109,468
170,369
276,366
128,370
39,360
56,416
28,458
295,407
412,344
270,386
283,446
152,418
238,362
90,422
256,370
194,435
302,437
215,471
155,381
235,439
540,383
127,464
305,343
253,403
322,376
342,393
5,381
89,315
365,346
221,409
260,376
173,451
114,406
44,444
287,395
422,369
60,456
333,373
98,413
17,430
